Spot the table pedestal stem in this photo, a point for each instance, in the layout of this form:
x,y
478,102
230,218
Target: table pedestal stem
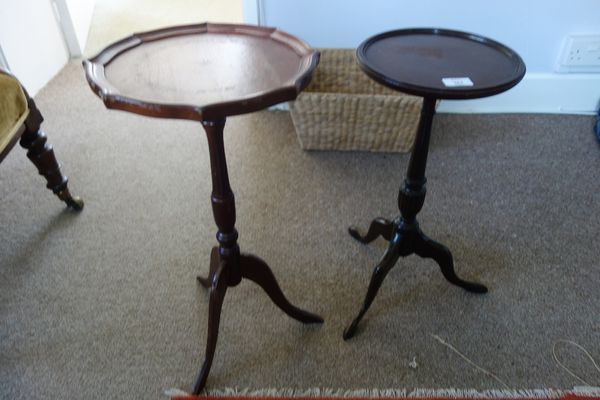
x,y
227,265
403,233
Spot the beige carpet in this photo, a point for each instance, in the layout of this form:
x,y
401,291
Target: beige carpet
x,y
104,304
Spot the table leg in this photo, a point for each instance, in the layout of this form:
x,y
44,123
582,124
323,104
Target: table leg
x,y
214,263
256,270
227,265
404,234
429,248
381,270
379,227
217,294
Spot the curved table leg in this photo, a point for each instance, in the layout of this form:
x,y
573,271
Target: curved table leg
x,y
379,227
429,248
214,263
258,271
381,270
217,293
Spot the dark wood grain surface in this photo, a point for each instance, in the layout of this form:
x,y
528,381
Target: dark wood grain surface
x,y
207,72
435,64
201,72
417,61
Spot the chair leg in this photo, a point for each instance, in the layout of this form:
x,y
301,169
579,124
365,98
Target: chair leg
x,y
42,156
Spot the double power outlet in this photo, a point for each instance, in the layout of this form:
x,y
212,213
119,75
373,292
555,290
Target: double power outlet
x,y
580,53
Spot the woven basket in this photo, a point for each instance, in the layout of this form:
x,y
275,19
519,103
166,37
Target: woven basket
x,y
344,109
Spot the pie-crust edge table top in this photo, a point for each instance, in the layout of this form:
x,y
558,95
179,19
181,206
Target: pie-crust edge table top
x,y
201,72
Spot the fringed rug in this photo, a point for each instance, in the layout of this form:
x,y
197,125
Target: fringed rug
x,y
578,393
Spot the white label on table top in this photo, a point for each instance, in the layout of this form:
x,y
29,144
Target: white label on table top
x,y
457,82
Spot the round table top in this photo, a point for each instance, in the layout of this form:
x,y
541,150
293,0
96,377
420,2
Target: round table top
x,y
440,63
201,72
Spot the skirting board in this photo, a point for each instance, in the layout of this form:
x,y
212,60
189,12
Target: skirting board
x,y
537,93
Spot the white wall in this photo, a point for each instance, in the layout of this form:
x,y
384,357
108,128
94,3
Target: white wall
x,y
3,63
81,12
37,37
75,17
534,28
251,11
32,41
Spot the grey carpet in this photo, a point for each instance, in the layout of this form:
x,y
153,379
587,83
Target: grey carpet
x,y
104,304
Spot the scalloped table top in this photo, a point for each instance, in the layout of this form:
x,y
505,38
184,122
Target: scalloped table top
x,y
201,72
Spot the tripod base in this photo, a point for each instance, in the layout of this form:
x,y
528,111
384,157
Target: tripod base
x,y
405,239
220,278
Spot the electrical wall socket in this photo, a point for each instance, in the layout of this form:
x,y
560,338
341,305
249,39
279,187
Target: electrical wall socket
x,y
580,53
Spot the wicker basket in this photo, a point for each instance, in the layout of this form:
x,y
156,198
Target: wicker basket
x,y
343,109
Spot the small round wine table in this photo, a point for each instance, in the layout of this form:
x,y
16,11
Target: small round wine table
x,y
434,64
206,73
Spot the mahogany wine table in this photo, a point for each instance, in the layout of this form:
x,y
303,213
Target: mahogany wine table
x,y
434,64
206,73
